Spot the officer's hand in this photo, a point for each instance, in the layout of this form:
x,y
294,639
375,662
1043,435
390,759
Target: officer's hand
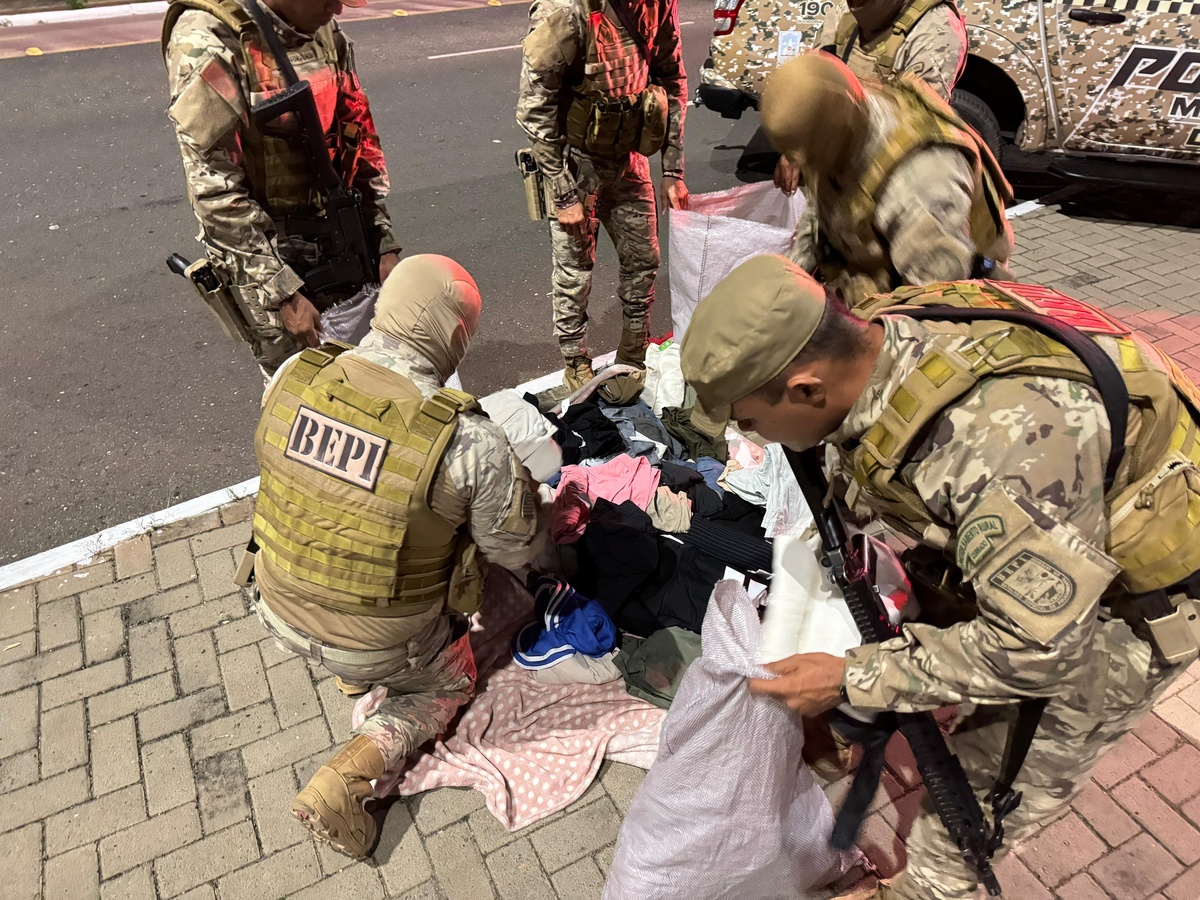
x,y
674,193
301,319
787,176
573,220
809,683
387,262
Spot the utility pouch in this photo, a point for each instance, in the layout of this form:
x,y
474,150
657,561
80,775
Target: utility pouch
x,y
535,185
1176,637
654,120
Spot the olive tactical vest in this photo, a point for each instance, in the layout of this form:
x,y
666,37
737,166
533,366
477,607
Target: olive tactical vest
x,y
279,172
348,451
879,62
1154,510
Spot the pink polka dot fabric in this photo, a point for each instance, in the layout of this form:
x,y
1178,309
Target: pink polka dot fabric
x,y
531,749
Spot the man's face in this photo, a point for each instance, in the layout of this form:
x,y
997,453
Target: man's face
x,y
796,425
308,15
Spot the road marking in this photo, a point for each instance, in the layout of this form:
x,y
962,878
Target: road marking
x,y
473,52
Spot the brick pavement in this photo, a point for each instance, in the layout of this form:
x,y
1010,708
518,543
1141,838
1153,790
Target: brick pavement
x,y
151,735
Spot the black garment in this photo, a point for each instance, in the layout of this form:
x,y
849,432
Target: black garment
x,y
683,581
568,441
705,501
679,476
617,553
741,551
600,435
740,514
679,423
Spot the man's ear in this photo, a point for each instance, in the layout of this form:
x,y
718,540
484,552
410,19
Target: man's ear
x,y
806,388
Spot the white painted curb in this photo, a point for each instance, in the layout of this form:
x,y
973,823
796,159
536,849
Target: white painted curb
x,y
54,16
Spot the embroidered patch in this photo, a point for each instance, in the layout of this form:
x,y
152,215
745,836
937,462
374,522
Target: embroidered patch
x,y
1035,582
336,448
975,541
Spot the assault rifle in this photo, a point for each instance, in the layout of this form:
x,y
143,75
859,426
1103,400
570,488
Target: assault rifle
x,y
347,260
945,780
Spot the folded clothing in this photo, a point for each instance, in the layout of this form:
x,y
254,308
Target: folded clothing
x,y
529,432
653,667
566,623
620,479
643,432
580,669
670,512
679,423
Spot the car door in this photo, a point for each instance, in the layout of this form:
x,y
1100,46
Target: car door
x,y
1127,77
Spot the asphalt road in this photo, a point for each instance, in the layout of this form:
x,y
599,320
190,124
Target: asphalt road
x,y
121,395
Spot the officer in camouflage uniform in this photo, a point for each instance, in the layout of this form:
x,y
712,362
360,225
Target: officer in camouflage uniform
x,y
986,443
244,185
383,494
900,191
596,99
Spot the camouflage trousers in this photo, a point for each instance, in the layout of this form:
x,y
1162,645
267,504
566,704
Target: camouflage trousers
x,y
1075,731
618,194
427,680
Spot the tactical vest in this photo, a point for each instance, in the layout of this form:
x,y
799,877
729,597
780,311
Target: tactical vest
x,y
923,120
878,62
348,452
279,173
1155,508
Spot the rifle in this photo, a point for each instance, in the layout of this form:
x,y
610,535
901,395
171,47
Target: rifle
x,y
347,260
945,780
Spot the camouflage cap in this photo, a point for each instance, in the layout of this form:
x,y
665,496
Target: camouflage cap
x,y
747,330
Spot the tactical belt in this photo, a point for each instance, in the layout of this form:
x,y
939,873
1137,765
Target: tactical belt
x,y
316,648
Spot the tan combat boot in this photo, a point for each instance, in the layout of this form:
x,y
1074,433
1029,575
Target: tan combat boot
x,y
578,372
352,690
622,390
331,804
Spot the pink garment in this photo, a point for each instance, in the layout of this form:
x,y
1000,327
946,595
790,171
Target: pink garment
x,y
531,749
620,479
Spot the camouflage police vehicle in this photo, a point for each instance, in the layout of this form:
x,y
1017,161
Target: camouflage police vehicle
x,y
1094,82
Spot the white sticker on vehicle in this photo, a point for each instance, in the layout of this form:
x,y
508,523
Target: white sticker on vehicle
x,y
790,45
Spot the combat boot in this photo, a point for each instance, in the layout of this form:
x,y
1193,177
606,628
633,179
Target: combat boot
x,y
331,805
352,690
622,390
578,372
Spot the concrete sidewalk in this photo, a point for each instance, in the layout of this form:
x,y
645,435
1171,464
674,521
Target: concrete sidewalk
x,y
152,736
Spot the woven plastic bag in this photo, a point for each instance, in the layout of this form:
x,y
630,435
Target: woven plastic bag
x,y
718,232
729,810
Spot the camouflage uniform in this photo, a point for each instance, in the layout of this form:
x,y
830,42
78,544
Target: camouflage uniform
x,y
921,227
615,191
934,51
241,227
1015,473
423,660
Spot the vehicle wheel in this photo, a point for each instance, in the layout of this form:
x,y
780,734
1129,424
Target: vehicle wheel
x,y
976,113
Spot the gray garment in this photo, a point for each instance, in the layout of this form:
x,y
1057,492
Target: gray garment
x,y
644,433
653,667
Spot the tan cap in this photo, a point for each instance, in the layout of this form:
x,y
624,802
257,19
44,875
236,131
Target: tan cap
x,y
749,328
432,304
815,109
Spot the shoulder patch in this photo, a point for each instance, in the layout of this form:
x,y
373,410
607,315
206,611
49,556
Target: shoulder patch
x,y
1035,582
975,540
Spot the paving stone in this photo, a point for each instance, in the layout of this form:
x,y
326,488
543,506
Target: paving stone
x,y
64,585
18,722
1081,887
238,511
40,668
64,739
293,693
18,611
1127,757
272,653
149,650
173,563
21,863
581,880
234,730
271,796
58,624
131,699
337,708
103,635
1062,849
179,715
604,859
286,747
84,683
18,771
18,647
1186,886
400,855
222,792
148,840
206,859
517,874
73,875
218,539
1018,881
489,834
196,662
168,774
217,572
133,557
434,810
562,842
459,864
1104,815
162,604
244,678
1137,868
1191,809
93,820
118,594
186,528
207,615
241,633
114,756
1177,775
357,882
135,885
882,846
1156,816
203,892
426,891
283,873
622,783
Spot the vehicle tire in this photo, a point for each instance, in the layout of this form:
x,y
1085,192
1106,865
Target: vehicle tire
x,y
976,113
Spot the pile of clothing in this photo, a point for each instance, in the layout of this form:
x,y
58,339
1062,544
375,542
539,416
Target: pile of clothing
x,y
648,515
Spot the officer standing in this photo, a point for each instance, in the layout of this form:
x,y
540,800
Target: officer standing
x,y
900,191
383,495
602,88
249,187
985,443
